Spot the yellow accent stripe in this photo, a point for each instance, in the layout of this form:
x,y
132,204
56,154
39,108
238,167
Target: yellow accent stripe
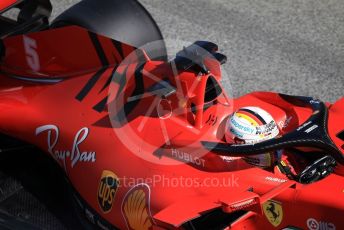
x,y
247,118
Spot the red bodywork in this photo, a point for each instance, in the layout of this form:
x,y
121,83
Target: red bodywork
x,y
6,4
59,91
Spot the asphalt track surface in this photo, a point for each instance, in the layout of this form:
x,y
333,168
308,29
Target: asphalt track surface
x,y
293,47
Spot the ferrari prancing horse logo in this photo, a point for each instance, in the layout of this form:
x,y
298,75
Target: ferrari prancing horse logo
x,y
273,212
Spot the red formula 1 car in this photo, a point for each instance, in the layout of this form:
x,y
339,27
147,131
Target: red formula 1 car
x,y
141,139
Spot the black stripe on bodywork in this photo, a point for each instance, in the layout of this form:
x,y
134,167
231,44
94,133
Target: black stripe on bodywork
x,y
121,81
101,105
118,47
255,114
139,90
90,84
107,83
105,63
99,49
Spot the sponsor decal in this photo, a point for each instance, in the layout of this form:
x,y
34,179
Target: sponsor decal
x,y
314,102
188,158
229,159
236,133
266,129
313,224
241,127
107,189
136,208
75,155
274,212
304,125
313,127
284,124
275,179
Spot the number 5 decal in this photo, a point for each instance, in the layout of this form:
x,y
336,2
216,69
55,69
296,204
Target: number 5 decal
x,y
32,57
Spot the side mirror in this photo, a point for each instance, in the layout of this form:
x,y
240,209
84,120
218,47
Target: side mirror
x,y
193,56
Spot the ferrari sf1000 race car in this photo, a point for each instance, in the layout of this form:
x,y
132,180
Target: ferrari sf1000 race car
x,y
150,143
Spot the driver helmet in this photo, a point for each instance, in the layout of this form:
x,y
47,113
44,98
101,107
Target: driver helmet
x,y
250,125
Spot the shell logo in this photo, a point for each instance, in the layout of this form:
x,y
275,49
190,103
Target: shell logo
x,y
136,208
